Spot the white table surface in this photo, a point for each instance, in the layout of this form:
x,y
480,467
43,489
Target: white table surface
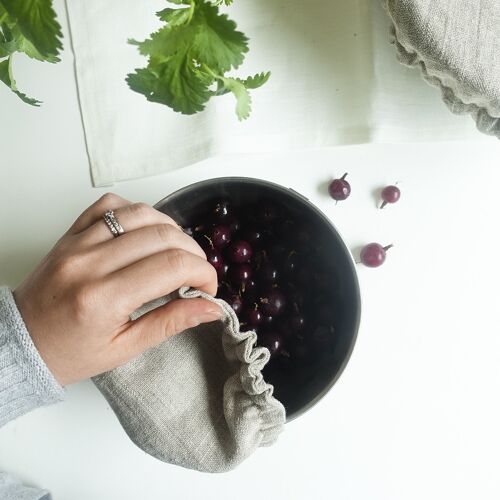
x,y
416,413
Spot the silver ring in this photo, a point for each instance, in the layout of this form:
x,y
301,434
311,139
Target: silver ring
x,y
113,224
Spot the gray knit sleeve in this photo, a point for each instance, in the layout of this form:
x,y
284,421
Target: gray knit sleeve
x,y
25,381
12,489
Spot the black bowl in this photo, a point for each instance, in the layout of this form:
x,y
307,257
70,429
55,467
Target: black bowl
x,y
297,387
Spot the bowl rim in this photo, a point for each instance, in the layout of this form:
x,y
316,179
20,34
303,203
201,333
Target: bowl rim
x,y
350,259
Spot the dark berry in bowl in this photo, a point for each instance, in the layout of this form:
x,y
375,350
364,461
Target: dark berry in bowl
x,y
240,251
234,300
267,320
239,274
277,249
220,236
254,236
291,262
273,302
234,224
253,316
296,323
222,211
268,273
273,341
248,290
267,213
215,258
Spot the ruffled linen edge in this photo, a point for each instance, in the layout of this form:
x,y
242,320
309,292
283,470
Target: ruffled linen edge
x,y
408,56
246,390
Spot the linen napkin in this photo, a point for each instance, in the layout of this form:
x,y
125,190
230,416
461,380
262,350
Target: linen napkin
x,y
198,400
456,45
334,81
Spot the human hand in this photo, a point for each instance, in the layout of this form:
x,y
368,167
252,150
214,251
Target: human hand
x,y
76,303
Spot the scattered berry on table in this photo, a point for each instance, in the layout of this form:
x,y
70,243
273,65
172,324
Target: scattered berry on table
x,y
373,254
339,189
390,194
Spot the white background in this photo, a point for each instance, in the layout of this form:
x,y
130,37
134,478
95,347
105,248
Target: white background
x,y
416,413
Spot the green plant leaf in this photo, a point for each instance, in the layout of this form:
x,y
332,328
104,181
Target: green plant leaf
x,y
8,45
243,99
256,81
167,41
176,83
7,78
195,47
252,82
175,17
217,42
12,40
36,20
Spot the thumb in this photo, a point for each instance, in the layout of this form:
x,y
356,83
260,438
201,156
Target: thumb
x,y
161,323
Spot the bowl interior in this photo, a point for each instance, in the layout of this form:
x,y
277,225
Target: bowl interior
x,y
300,388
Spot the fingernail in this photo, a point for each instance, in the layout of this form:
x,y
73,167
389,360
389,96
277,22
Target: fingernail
x,y
209,316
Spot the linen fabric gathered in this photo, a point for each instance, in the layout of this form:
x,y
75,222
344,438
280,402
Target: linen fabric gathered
x,y
456,45
198,400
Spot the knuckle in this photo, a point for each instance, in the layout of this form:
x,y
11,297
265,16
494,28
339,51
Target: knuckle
x,y
172,325
140,210
178,260
67,266
211,273
107,198
164,232
64,245
84,299
169,219
213,279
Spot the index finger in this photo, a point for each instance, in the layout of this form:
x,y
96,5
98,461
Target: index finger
x,y
158,275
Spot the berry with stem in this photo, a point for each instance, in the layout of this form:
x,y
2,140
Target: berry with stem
x,y
373,254
339,189
390,194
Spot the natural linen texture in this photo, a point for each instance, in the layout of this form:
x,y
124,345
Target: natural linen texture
x,y
456,44
199,399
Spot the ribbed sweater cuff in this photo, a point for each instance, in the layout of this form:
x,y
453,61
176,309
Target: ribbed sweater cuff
x,y
25,381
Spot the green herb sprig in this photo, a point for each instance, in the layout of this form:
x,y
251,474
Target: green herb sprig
x,y
31,27
189,56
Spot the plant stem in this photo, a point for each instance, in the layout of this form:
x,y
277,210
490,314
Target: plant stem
x,y
191,11
215,76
